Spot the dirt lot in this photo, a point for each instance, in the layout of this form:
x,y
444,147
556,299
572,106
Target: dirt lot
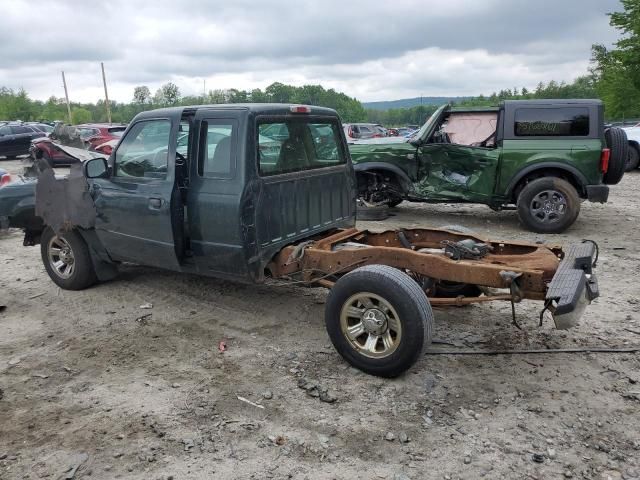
x,y
91,379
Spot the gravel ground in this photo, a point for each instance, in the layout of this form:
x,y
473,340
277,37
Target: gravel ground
x,y
91,384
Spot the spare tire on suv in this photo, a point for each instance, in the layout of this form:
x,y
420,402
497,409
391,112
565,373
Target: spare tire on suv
x,y
618,144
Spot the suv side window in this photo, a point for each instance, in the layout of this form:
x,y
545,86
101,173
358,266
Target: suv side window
x,y
5,130
552,122
216,158
143,153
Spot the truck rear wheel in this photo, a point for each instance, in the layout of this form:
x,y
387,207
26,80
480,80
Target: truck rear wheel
x,y
379,320
67,259
617,142
548,205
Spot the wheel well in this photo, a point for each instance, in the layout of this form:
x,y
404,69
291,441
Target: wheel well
x,y
364,174
548,172
634,144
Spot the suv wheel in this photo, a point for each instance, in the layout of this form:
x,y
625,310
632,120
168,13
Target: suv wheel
x,y
633,159
67,259
548,205
379,320
619,145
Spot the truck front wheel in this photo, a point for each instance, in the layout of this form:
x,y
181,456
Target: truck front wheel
x,y
548,205
67,259
379,320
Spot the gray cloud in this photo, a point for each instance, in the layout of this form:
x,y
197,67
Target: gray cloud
x,y
372,50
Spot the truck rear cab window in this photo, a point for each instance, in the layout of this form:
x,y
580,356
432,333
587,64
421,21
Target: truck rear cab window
x,y
143,153
299,145
552,122
217,148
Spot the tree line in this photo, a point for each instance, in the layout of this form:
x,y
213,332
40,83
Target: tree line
x,y
16,105
614,76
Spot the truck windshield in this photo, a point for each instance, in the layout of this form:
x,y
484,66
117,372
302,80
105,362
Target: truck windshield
x,y
293,145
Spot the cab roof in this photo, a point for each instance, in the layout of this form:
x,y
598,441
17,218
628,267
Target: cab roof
x,y
258,108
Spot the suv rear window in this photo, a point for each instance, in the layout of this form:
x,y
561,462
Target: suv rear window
x,y
294,145
552,122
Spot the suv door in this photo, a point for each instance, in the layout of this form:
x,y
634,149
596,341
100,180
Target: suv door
x,y
134,205
457,172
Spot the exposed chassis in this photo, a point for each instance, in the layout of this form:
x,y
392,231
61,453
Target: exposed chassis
x,y
525,270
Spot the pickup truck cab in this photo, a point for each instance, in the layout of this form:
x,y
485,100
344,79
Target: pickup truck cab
x,y
542,156
257,192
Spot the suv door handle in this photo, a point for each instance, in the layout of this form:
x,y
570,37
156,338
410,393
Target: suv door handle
x,y
155,203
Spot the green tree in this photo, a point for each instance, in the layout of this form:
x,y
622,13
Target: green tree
x,y
167,94
80,115
141,94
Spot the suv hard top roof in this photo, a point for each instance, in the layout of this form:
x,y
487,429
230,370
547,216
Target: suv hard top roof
x,y
561,101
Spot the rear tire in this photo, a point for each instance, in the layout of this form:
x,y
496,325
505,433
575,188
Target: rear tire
x,y
633,159
67,259
548,205
379,320
619,145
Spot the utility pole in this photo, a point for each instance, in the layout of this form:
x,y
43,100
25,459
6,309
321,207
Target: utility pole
x,y
66,95
204,88
106,95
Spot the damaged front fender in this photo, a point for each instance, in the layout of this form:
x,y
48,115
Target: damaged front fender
x,y
64,203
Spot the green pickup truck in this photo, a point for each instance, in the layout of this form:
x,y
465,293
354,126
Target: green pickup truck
x,y
233,203
542,156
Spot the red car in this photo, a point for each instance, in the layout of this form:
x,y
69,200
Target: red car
x,y
92,134
99,133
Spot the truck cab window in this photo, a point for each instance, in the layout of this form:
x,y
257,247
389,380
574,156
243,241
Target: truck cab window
x,y
217,151
299,145
143,153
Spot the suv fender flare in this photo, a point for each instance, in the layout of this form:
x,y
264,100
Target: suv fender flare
x,y
403,178
574,172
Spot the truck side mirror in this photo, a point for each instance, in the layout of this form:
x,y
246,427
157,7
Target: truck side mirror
x,y
96,168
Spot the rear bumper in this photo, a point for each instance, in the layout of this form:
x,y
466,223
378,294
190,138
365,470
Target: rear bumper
x,y
574,285
598,193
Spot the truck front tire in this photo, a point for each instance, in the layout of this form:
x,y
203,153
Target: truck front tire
x,y
548,205
67,259
379,320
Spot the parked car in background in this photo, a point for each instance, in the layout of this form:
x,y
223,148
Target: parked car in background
x,y
15,138
98,133
543,156
43,127
633,135
360,131
54,155
405,131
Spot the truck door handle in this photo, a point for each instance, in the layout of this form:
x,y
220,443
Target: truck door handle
x,y
155,203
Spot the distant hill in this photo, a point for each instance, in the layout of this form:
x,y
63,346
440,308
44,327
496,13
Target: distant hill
x,y
410,102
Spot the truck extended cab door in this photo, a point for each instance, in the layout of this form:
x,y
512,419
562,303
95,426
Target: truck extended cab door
x,y
215,188
134,205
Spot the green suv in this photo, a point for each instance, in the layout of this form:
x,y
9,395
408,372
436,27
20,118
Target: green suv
x,y
541,157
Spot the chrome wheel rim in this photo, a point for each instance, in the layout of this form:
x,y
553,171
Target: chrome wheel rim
x,y
549,206
61,258
370,325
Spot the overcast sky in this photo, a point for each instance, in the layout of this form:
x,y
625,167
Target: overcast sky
x,y
372,50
